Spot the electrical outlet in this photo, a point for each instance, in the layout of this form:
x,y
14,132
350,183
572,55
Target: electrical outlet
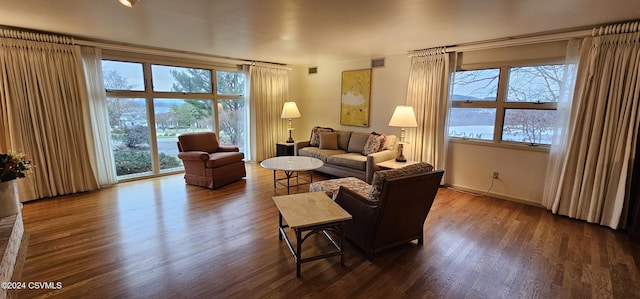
x,y
496,175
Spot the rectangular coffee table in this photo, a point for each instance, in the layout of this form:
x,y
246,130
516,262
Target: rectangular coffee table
x,y
314,213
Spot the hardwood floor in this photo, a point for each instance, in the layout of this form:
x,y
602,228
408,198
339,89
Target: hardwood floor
x,y
159,238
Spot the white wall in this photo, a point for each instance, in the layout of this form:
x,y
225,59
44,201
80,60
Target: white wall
x,y
318,95
521,171
470,166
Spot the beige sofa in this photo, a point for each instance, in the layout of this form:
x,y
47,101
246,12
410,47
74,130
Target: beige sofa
x,y
347,153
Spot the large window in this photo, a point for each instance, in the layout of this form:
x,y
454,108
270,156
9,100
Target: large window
x,y
231,108
506,104
151,104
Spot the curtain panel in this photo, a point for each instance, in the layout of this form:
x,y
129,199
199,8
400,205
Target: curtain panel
x,y
42,92
97,119
269,89
560,140
595,177
427,93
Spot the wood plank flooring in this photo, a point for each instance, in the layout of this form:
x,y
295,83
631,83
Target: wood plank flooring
x,y
159,238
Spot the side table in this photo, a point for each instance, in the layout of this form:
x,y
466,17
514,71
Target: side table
x,y
393,164
284,149
313,213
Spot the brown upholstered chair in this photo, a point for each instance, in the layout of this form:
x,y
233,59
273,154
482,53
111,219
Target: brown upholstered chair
x,y
208,164
395,211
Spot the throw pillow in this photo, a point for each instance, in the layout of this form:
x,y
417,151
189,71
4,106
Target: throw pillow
x,y
329,141
343,139
357,142
389,142
315,135
374,144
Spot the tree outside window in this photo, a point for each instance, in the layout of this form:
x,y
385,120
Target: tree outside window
x,y
526,112
183,100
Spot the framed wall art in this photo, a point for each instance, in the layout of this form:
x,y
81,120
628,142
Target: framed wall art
x,y
356,95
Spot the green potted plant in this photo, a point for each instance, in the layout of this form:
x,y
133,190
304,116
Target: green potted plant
x,y
12,166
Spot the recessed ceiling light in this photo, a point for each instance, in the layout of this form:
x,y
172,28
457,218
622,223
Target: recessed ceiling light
x,y
128,3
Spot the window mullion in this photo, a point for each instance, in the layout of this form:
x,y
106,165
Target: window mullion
x,y
181,95
500,103
148,91
216,102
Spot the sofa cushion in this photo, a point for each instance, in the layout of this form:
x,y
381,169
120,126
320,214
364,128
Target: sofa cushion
x,y
374,144
350,160
381,175
343,139
329,140
319,153
315,135
219,159
357,142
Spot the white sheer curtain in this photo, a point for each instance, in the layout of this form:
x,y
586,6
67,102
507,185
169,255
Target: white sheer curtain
x,y
560,139
98,118
269,89
595,179
42,94
427,93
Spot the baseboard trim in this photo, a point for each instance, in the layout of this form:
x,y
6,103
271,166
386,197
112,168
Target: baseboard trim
x,y
495,195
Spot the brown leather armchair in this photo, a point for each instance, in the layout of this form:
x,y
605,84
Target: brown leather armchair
x,y
398,214
206,163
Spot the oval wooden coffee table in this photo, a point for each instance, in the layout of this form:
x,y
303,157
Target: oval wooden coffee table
x,y
291,165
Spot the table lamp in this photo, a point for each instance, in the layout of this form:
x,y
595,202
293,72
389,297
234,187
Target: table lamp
x,y
289,111
403,117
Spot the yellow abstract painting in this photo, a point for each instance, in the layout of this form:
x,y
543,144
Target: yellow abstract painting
x,y
356,94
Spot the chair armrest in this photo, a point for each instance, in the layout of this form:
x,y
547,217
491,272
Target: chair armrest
x,y
374,159
298,145
355,204
194,156
228,148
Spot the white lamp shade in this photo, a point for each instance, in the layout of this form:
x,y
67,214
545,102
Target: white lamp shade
x,y
403,117
290,110
128,3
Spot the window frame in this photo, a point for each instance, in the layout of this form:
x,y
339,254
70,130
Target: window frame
x,y
501,104
149,95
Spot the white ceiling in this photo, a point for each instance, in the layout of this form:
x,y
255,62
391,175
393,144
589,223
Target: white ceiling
x,y
307,32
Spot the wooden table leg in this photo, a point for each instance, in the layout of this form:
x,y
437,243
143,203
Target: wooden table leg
x,y
279,225
298,251
341,227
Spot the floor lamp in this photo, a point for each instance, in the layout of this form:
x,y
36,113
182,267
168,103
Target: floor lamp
x,y
403,117
289,111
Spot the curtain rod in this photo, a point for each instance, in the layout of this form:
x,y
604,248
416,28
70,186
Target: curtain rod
x,y
510,42
161,52
39,34
629,27
270,65
8,32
